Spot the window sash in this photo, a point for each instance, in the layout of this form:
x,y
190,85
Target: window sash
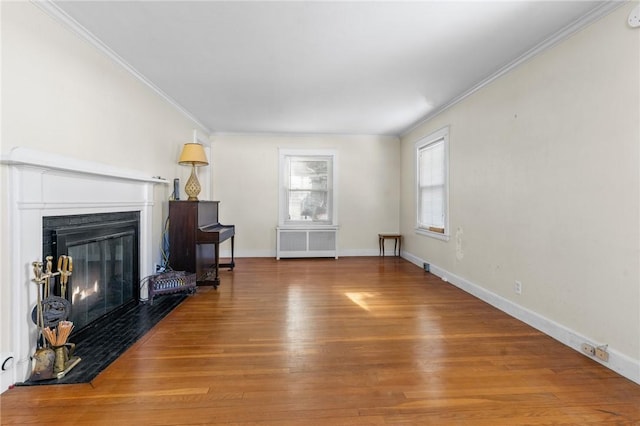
x,y
432,183
308,189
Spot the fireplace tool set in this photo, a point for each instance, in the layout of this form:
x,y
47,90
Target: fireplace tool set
x,y
54,355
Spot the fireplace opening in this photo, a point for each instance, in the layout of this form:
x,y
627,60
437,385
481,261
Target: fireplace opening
x,y
104,249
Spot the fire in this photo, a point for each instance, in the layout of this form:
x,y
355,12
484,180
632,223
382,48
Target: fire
x,y
83,294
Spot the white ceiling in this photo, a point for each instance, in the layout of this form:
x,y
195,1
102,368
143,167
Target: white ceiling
x,y
360,67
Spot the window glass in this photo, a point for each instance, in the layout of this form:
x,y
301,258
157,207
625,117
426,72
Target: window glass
x,y
432,183
307,187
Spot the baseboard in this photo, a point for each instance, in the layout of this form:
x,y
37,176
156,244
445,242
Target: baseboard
x,y
618,362
226,253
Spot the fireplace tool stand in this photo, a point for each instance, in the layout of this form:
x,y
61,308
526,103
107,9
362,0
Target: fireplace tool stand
x,y
54,355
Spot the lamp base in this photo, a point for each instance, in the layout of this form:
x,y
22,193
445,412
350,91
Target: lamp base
x,y
192,188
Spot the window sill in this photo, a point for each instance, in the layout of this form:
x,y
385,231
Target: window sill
x,y
436,235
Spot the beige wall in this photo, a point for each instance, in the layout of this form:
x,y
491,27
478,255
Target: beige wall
x,y
544,166
63,96
245,180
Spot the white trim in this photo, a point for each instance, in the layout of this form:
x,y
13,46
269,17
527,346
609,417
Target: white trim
x,y
431,234
280,134
598,12
21,156
618,362
201,138
286,152
272,252
70,23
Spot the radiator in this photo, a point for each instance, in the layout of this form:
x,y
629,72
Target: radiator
x,y
312,242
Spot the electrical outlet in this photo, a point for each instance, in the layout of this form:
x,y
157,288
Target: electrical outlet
x,y
517,287
602,354
588,349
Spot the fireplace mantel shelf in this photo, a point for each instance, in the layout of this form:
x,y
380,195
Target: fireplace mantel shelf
x,y
22,156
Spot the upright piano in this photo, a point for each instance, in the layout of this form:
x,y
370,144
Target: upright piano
x,y
195,235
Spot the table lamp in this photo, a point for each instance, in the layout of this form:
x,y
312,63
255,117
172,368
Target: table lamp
x,y
193,153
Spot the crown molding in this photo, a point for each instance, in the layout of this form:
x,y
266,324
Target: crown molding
x,y
598,12
561,35
74,26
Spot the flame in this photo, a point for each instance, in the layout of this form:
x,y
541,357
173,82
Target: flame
x,y
83,294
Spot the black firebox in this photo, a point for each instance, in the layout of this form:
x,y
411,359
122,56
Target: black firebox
x,y
104,250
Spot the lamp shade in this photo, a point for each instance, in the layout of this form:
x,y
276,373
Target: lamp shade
x,y
193,153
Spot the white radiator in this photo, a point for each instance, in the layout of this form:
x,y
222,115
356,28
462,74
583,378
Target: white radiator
x,y
307,242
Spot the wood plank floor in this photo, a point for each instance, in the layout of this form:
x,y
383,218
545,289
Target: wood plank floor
x,y
336,342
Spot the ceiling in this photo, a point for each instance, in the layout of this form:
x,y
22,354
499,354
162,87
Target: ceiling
x,y
320,67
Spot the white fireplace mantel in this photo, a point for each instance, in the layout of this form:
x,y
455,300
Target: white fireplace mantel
x,y
51,161
44,184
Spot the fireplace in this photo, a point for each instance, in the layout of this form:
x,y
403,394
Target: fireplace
x,y
104,249
44,184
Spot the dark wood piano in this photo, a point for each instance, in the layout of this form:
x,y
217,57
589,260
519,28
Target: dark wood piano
x,y
194,239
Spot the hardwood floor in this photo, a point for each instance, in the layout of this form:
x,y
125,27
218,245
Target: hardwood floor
x,y
349,341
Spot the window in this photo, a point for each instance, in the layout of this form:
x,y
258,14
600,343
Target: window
x,y
307,187
432,154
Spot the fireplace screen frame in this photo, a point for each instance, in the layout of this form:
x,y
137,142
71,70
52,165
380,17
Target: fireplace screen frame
x,y
70,231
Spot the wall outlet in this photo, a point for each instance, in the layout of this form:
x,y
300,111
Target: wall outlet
x,y
602,354
588,349
517,287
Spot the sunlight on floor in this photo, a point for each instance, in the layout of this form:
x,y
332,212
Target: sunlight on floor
x,y
360,299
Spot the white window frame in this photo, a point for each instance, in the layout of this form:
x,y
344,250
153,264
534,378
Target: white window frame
x,y
283,221
439,136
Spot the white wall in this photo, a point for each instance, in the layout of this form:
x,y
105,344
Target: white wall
x,y
61,95
245,181
544,169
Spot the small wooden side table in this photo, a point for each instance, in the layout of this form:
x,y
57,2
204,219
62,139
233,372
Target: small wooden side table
x,y
397,242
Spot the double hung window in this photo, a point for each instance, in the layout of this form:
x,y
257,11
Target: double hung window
x,y
307,187
433,184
